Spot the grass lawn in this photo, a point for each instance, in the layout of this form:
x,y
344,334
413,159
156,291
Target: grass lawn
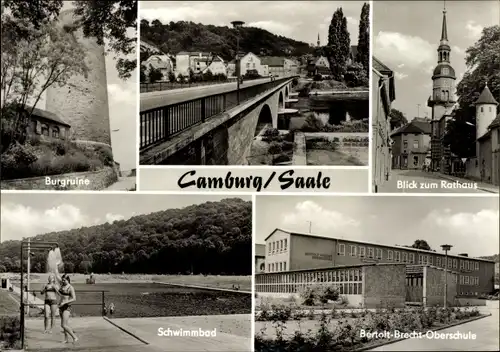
x,y
8,305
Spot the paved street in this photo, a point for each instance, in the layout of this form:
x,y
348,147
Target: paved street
x,y
486,330
152,100
425,182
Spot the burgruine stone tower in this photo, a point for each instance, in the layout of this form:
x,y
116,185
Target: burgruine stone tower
x,y
83,101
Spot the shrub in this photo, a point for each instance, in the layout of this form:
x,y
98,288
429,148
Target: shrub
x,y
10,332
16,160
271,132
105,155
317,78
275,148
356,76
282,158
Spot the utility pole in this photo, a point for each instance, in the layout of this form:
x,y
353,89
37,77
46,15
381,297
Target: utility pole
x,y
446,248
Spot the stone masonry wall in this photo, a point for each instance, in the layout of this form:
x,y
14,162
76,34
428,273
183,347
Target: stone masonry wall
x,y
98,180
384,285
83,101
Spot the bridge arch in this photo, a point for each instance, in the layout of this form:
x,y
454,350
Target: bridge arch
x,y
265,118
286,91
281,101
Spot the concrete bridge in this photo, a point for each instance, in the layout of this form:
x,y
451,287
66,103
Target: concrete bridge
x,y
210,125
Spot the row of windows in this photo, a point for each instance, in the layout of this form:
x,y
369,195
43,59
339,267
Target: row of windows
x,y
46,131
469,280
337,275
277,246
352,288
415,144
273,267
405,257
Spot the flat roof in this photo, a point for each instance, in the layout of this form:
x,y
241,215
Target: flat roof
x,y
375,244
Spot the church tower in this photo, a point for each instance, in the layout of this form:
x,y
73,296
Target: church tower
x,y
443,78
318,42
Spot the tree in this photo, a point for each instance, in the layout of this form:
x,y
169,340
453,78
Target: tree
x,y
30,65
483,65
142,74
398,119
363,55
113,21
35,13
171,76
339,45
154,74
421,244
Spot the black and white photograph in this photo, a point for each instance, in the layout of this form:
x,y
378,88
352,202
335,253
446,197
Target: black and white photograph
x,y
361,273
435,102
254,83
125,272
69,95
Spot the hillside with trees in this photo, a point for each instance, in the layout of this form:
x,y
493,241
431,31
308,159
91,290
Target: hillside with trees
x,y
189,36
211,238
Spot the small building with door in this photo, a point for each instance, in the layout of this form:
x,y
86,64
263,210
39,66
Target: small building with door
x,y
47,125
411,144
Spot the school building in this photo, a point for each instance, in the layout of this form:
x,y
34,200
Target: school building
x,y
369,273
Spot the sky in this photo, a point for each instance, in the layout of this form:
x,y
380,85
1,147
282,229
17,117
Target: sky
x,y
26,215
470,224
406,35
122,101
299,20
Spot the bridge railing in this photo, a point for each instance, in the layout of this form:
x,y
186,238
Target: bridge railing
x,y
161,123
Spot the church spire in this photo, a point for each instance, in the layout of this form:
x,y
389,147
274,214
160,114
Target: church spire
x,y
318,42
444,30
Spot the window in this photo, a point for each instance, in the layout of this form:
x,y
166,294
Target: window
x,y
461,280
415,160
405,257
455,264
248,65
45,130
450,263
341,249
361,251
476,266
281,246
429,260
462,265
420,259
412,258
390,255
272,266
353,251
253,65
438,261
269,267
281,266
405,144
477,281
370,252
466,281
55,132
379,253
274,247
446,71
284,266
398,256
415,144
269,251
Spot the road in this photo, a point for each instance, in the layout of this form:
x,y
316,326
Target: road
x,y
401,180
123,184
153,100
486,331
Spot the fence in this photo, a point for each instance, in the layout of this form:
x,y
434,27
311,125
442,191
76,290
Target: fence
x,y
349,281
159,86
160,124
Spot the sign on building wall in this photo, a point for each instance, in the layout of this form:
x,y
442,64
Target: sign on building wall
x,y
319,256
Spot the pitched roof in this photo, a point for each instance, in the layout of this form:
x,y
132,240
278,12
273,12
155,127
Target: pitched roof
x,y
380,67
486,97
273,61
47,115
495,122
354,51
414,126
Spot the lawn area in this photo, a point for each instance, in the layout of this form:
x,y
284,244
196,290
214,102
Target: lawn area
x,y
134,299
8,305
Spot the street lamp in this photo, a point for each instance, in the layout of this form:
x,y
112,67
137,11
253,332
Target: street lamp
x,y
237,25
446,248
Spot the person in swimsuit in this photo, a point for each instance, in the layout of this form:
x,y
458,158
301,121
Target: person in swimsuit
x,y
50,291
68,296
